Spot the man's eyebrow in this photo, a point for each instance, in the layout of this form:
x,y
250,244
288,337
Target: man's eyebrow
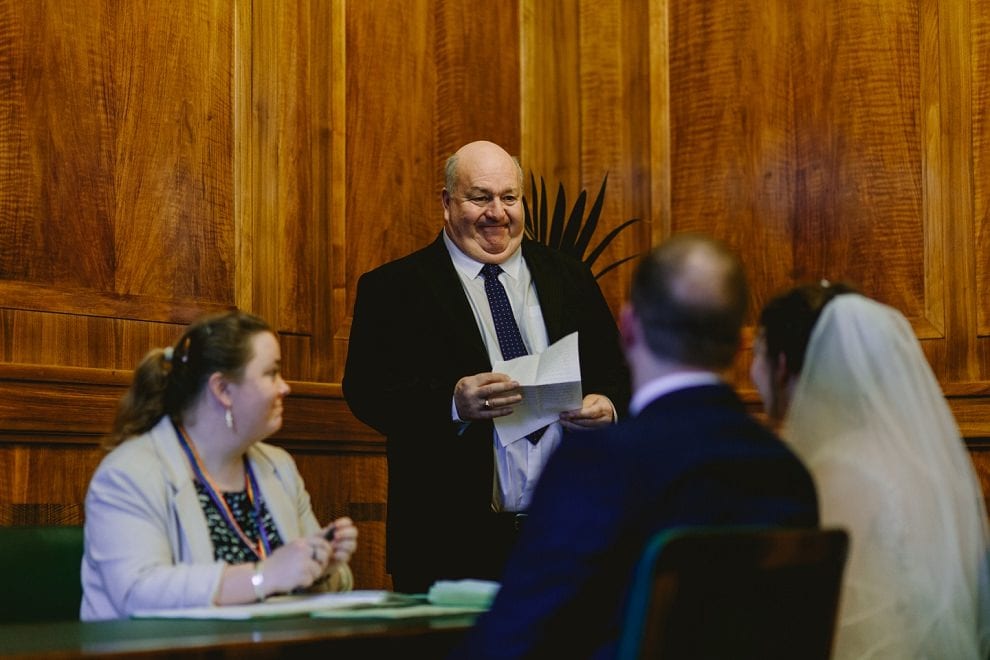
x,y
475,190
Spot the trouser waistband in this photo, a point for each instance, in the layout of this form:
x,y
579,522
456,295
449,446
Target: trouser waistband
x,y
512,519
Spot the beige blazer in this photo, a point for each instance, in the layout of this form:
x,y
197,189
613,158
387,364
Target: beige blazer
x,y
147,544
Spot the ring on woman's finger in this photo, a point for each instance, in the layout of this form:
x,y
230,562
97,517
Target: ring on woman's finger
x,y
487,404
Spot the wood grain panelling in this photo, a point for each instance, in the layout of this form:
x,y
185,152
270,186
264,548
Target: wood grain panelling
x,y
796,137
615,126
162,159
843,140
169,157
586,113
979,451
423,78
116,156
78,341
477,77
159,160
352,485
282,111
551,92
955,194
392,200
980,49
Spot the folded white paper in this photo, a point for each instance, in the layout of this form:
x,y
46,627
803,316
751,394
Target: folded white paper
x,y
550,383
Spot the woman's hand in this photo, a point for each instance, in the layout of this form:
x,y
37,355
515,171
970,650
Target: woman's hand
x,y
297,564
344,542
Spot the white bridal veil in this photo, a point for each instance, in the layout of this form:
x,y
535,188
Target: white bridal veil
x,y
869,419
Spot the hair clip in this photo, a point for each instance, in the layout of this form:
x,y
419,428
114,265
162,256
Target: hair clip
x,y
167,353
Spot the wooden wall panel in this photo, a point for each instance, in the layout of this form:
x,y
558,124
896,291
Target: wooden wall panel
x,y
389,89
117,156
980,67
164,159
796,137
351,485
392,194
283,113
419,85
586,113
551,92
840,140
477,86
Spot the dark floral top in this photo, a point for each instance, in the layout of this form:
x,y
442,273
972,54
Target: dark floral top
x,y
227,545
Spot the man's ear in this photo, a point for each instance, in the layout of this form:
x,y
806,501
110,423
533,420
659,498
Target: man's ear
x,y
445,199
219,387
780,374
628,326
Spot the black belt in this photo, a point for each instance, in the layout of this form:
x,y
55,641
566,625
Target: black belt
x,y
512,519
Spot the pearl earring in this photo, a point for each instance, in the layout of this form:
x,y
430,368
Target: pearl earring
x,y
228,418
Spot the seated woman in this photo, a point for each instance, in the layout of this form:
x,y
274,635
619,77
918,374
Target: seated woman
x,y
191,508
860,405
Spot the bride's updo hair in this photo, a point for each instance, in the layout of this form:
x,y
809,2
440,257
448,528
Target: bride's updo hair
x,y
789,318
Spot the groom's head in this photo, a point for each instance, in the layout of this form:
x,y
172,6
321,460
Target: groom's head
x,y
687,304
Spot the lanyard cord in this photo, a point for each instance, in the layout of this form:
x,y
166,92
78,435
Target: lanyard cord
x,y
261,548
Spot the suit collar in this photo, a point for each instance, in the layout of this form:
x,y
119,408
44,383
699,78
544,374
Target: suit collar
x,y
720,394
440,277
441,280
664,385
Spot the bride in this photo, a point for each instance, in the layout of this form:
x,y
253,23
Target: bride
x,y
846,377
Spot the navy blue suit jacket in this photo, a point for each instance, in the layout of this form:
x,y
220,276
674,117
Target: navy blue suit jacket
x,y
413,337
692,457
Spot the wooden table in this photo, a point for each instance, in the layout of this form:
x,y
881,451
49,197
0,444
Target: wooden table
x,y
302,636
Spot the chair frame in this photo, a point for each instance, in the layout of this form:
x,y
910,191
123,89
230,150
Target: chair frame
x,y
736,592
44,564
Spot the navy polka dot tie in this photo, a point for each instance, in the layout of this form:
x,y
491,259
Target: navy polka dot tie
x,y
510,341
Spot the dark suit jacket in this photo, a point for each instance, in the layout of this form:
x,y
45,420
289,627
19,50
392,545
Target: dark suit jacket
x,y
692,457
413,337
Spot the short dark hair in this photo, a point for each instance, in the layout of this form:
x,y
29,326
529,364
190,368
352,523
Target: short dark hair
x,y
690,296
789,319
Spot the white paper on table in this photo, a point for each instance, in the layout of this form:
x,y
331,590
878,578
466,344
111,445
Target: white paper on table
x,y
276,606
402,612
550,383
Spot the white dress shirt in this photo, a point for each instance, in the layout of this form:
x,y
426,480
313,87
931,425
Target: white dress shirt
x,y
658,387
518,464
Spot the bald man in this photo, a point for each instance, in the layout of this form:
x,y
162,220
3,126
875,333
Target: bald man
x,y
419,370
688,455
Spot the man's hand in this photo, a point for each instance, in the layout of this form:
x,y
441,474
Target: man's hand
x,y
596,410
485,396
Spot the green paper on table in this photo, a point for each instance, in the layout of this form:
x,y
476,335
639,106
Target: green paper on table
x,y
463,593
445,598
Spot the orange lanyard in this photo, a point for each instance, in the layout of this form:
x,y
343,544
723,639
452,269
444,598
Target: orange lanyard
x,y
261,548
